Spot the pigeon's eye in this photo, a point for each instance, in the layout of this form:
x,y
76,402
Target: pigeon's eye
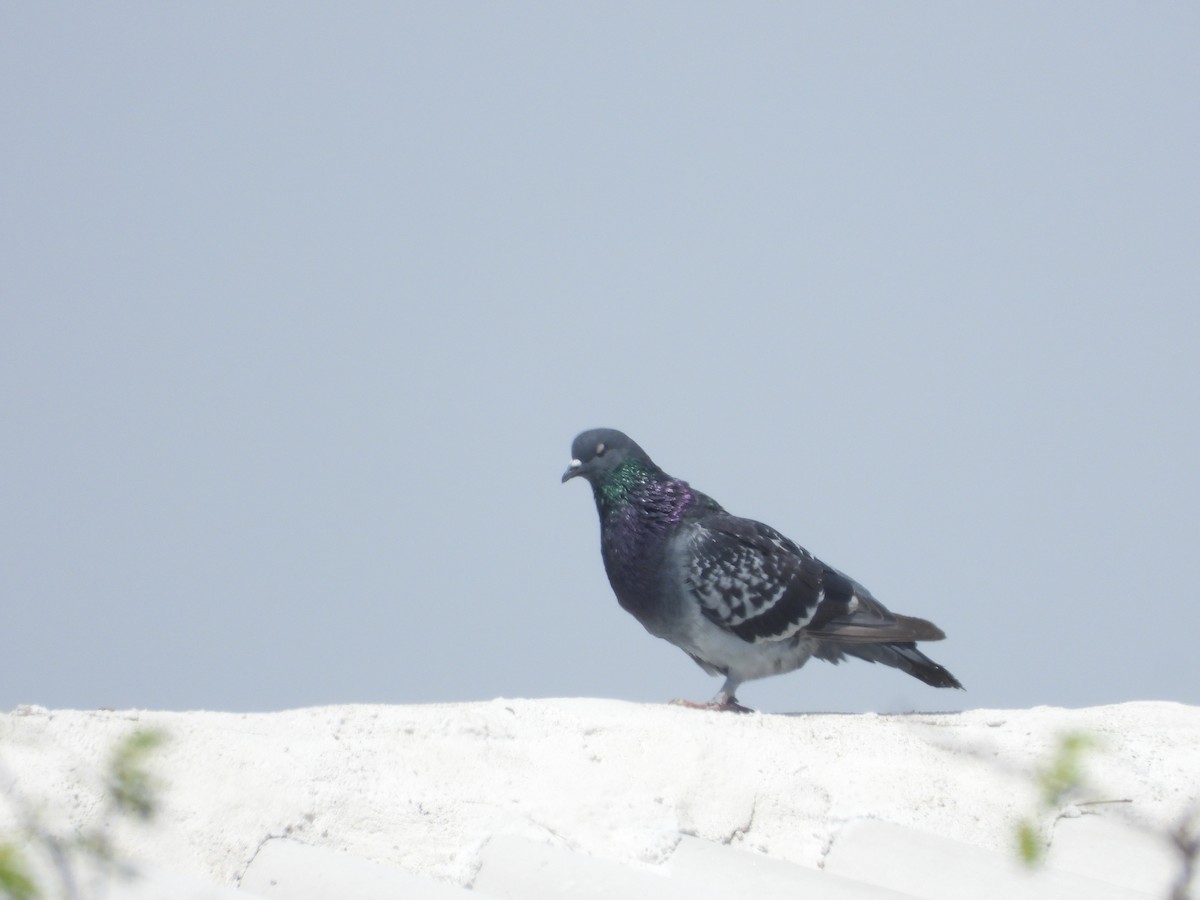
x,y
599,449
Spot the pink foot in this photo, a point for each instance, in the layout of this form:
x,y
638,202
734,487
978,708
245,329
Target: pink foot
x,y
720,703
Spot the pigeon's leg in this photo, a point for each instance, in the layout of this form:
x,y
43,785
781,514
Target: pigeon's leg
x,y
725,701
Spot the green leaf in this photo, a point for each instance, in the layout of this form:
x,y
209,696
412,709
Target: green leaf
x,y
14,882
1029,843
130,786
1065,772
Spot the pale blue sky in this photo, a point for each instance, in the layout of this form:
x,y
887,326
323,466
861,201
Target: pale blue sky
x,y
303,304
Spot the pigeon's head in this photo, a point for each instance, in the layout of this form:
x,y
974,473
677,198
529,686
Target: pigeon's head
x,y
599,452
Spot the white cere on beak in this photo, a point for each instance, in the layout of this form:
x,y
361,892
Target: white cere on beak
x,y
574,464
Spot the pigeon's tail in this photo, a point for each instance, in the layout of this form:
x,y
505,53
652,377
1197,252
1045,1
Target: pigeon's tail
x,y
873,624
904,656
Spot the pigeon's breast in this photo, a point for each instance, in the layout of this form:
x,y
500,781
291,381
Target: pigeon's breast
x,y
633,548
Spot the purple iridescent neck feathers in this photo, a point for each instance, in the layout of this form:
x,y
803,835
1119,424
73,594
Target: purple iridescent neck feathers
x,y
640,508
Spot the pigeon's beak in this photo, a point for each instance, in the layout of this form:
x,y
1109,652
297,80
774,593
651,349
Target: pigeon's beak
x,y
572,470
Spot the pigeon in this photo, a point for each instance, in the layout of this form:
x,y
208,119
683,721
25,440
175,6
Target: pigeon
x,y
734,594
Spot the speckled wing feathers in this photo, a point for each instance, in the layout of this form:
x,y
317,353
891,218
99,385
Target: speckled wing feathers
x,y
750,579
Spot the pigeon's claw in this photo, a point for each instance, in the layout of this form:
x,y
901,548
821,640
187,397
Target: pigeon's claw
x,y
723,702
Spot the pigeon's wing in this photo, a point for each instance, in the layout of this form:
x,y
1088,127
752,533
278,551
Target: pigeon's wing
x,y
849,614
751,580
